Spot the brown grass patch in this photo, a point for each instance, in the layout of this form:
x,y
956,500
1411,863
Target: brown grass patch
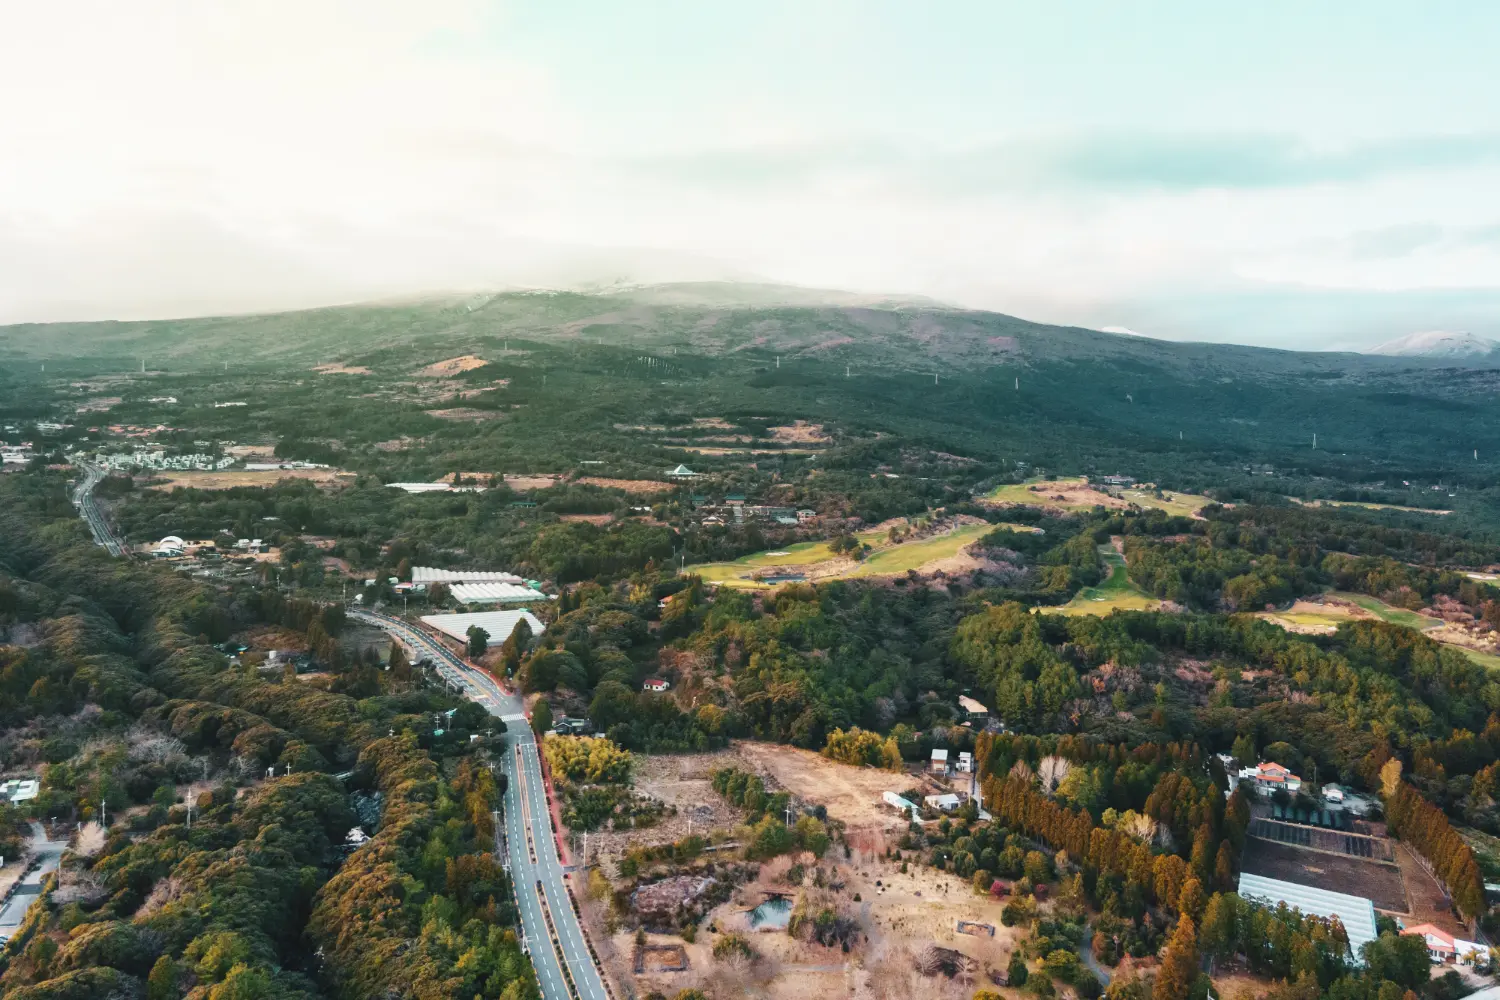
x,y
628,485
243,477
453,366
590,518
540,482
465,414
338,369
800,432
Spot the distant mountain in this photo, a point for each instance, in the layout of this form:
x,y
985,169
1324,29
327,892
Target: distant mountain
x,y
1437,344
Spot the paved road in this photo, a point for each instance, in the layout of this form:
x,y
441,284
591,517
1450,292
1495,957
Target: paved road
x,y
528,828
49,852
88,509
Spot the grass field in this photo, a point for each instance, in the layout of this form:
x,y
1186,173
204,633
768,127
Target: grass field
x,y
1115,592
913,555
1386,613
1186,504
885,560
1021,492
1487,660
241,477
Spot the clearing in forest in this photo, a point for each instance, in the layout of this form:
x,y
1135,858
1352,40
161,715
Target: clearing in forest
x,y
1077,493
1115,592
243,477
817,562
453,366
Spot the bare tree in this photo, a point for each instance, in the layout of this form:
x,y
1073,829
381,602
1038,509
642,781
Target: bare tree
x,y
1053,771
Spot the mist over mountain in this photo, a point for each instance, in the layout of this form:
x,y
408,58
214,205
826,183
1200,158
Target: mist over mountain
x,y
1438,344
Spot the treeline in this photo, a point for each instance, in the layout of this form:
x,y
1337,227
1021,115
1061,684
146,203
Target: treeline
x,y
1423,825
455,935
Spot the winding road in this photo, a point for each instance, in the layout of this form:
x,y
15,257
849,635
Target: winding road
x,y
552,932
88,509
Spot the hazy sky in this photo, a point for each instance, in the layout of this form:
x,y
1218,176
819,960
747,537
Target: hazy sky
x,y
1298,174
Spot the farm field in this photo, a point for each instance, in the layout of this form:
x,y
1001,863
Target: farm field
x,y
1381,883
242,477
886,559
1115,592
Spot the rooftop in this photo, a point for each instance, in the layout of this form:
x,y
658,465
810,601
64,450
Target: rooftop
x,y
499,624
1356,913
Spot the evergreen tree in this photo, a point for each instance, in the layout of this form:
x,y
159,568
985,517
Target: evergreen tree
x,y
541,717
1179,967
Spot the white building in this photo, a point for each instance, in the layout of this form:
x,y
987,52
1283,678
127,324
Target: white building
x,y
655,684
18,790
430,575
965,762
947,802
498,624
1270,776
973,710
904,805
169,547
496,593
1356,913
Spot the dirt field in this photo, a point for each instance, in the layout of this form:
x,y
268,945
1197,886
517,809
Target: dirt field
x,y
241,477
336,369
852,794
897,918
252,451
453,366
465,414
590,518
1429,905
628,485
1382,884
518,482
800,432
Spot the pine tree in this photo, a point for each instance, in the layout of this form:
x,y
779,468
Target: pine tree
x,y
1179,966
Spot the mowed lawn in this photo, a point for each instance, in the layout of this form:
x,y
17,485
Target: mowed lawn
x,y
885,560
913,555
1387,613
1115,592
1186,504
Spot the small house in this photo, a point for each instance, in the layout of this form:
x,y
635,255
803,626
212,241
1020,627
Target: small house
x,y
655,684
947,802
973,710
18,790
735,500
965,762
904,805
939,762
1271,776
1333,793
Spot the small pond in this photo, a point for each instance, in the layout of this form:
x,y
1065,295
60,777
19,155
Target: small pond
x,y
775,912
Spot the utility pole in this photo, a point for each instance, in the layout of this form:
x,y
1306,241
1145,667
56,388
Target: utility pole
x,y
789,812
846,371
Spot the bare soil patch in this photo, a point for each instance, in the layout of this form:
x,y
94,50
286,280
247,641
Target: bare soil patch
x,y
453,366
465,414
1429,904
800,432
337,369
590,518
852,794
243,477
681,783
1382,884
628,485
519,482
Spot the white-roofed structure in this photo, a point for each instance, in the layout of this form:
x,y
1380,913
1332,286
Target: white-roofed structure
x,y
495,593
1356,913
429,575
499,624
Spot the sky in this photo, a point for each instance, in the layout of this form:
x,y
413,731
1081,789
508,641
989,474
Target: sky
x,y
1312,176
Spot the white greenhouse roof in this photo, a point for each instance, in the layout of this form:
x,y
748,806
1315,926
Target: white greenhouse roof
x,y
495,593
499,624
1356,913
429,574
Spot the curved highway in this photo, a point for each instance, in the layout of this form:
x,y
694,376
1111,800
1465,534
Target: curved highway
x,y
566,969
88,509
